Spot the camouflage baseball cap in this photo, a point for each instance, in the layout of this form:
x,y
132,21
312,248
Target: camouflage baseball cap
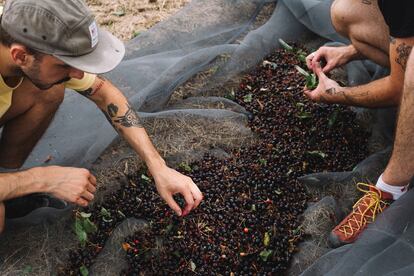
x,y
65,29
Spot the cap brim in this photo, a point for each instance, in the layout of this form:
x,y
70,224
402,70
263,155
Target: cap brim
x,y
106,56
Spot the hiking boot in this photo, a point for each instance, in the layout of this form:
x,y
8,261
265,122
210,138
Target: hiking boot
x,y
364,212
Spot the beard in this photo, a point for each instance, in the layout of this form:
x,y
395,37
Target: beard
x,y
33,73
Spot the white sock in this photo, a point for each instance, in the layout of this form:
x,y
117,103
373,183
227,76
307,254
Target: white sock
x,y
396,191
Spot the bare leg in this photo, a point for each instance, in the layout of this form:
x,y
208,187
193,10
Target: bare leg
x,y
25,122
362,22
2,217
400,168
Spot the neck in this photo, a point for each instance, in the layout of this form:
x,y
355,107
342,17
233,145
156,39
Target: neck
x,y
7,67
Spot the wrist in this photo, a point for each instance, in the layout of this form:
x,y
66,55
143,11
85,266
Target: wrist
x,y
36,178
155,165
352,53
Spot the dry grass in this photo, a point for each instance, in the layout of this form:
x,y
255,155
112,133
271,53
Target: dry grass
x,y
127,18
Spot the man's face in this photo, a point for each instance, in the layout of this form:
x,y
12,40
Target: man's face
x,y
46,71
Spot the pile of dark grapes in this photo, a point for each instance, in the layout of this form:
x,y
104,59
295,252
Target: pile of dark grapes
x,y
248,222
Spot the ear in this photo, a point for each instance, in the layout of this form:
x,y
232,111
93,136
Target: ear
x,y
20,55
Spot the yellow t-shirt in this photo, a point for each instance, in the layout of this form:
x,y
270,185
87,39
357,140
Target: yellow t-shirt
x,y
76,84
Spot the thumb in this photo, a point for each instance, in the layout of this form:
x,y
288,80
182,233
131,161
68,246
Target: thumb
x,y
308,93
317,69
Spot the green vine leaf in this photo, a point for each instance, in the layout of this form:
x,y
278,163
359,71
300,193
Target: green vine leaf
x,y
265,254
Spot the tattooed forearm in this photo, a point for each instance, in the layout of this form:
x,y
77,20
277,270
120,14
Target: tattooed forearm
x,y
367,2
90,91
403,52
350,99
129,119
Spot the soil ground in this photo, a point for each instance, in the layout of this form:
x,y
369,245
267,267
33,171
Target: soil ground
x,y
127,18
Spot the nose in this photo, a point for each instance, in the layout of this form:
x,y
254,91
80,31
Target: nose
x,y
76,74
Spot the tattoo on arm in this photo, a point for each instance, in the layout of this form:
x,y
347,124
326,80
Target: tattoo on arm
x,y
403,52
349,99
129,119
90,91
331,91
87,93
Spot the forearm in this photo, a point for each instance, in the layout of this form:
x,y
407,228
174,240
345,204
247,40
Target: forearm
x,y
379,93
126,121
19,184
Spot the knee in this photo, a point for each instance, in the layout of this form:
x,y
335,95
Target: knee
x,y
341,17
51,98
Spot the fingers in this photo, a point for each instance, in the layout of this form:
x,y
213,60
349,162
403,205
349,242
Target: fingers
x,y
317,69
309,59
328,67
173,205
92,179
91,188
308,94
188,196
88,196
81,202
197,195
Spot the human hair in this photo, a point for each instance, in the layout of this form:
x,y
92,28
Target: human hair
x,y
7,40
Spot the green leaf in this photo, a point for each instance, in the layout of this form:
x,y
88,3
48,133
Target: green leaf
x,y
105,213
302,71
286,46
185,166
278,192
266,239
263,162
193,266
83,270
122,214
169,228
304,115
177,254
271,64
296,231
146,178
332,119
302,58
311,81
119,13
317,153
80,232
88,226
135,34
27,270
265,254
85,215
248,98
